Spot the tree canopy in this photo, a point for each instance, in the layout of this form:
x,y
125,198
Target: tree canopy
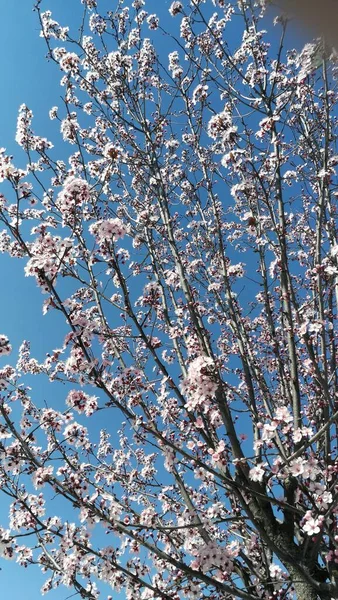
x,y
187,239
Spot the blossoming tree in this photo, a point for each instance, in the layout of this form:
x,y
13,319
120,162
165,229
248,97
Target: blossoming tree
x,y
187,238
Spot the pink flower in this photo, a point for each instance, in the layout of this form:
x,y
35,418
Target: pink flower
x,y
199,385
70,63
175,8
108,230
81,402
41,475
283,414
75,192
275,572
257,472
269,431
76,434
153,21
312,526
219,455
297,435
5,347
297,467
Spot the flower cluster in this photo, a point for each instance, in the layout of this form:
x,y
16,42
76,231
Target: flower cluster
x,y
221,127
82,402
76,434
51,28
109,230
214,556
175,8
24,136
75,193
200,385
5,347
69,63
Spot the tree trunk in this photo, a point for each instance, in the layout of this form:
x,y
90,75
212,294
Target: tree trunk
x,y
303,589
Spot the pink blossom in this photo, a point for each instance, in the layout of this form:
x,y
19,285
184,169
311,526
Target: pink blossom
x,y
297,467
311,525
108,230
175,8
283,414
197,349
70,63
257,472
81,402
75,193
41,476
276,572
199,386
76,434
269,431
5,347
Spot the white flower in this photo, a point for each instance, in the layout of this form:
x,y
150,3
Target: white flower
x,y
70,63
257,473
297,435
297,467
5,347
53,113
175,8
108,230
269,431
283,414
312,526
275,572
